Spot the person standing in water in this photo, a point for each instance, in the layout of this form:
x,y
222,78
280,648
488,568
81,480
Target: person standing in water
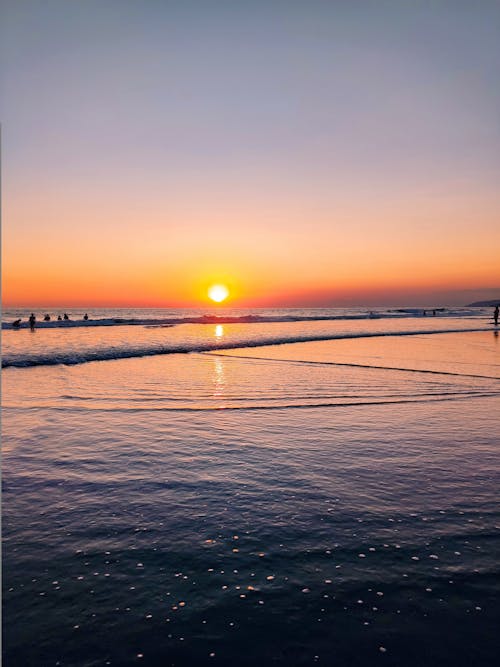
x,y
495,315
32,320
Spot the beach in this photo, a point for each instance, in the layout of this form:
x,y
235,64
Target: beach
x,y
327,501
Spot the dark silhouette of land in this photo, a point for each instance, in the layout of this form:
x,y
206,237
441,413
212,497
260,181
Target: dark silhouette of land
x,y
484,304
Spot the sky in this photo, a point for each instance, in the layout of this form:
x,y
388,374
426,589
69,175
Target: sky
x,y
313,153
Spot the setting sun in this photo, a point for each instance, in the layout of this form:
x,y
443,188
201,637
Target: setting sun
x,y
218,293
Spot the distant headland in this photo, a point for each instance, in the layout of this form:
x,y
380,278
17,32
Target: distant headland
x,y
483,304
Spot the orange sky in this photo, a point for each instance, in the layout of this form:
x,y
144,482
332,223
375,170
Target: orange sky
x,y
111,255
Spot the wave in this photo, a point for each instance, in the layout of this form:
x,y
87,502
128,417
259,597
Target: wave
x,y
268,406
238,319
72,357
353,365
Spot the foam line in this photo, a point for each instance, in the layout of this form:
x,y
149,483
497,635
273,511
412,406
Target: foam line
x,y
352,365
252,408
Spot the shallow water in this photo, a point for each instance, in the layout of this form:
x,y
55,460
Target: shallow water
x,y
76,345
223,509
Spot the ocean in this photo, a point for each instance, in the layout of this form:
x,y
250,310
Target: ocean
x,y
271,487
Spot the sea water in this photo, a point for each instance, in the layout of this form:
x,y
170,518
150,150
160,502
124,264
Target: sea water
x,y
197,495
117,334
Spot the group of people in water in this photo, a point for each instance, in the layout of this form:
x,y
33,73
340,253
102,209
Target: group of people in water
x,y
32,320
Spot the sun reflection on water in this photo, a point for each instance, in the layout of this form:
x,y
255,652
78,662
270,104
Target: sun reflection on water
x,y
219,378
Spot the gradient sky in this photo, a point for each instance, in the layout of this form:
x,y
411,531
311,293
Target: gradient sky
x,y
303,153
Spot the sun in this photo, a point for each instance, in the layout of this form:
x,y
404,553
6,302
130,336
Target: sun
x,y
218,293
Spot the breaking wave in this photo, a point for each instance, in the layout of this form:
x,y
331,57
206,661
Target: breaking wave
x,y
112,352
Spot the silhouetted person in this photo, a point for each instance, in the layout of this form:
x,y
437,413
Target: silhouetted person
x,y
85,317
433,313
32,320
495,315
46,318
59,318
65,317
16,324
